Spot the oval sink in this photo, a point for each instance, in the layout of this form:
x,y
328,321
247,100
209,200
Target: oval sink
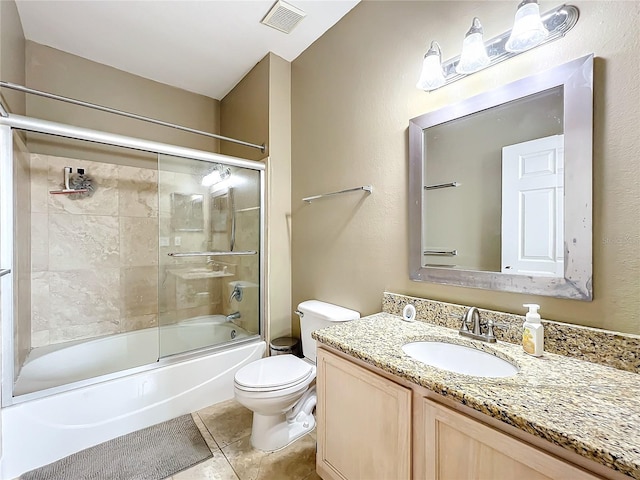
x,y
459,359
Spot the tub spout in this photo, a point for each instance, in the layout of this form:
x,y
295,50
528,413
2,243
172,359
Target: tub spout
x,y
233,316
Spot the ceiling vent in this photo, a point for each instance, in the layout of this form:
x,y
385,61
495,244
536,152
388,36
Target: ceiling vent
x,y
283,17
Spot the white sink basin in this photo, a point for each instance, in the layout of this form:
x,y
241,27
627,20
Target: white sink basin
x,y
459,359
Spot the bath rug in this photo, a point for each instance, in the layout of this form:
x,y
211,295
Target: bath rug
x,y
153,453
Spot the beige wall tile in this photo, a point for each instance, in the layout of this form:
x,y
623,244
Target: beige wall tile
x,y
40,302
78,332
83,241
40,339
22,257
84,303
137,192
129,324
39,242
139,291
138,241
39,183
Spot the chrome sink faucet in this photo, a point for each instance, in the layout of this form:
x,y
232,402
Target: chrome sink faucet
x,y
471,319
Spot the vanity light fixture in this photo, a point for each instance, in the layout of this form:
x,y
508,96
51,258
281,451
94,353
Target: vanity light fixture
x,y
432,76
530,30
474,54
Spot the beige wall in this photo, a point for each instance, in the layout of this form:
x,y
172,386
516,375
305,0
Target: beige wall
x,y
12,64
244,113
64,74
353,93
279,199
258,110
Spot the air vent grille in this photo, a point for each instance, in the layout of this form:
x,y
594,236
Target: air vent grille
x,y
283,17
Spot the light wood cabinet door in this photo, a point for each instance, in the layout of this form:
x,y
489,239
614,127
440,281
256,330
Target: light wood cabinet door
x,y
363,423
459,447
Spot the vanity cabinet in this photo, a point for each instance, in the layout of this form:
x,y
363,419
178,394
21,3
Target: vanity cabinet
x,y
372,428
364,423
457,446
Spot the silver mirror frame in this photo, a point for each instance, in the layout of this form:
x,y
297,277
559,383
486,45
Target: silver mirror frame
x,y
576,78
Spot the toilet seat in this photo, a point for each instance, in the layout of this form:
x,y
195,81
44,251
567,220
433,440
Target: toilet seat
x,y
274,373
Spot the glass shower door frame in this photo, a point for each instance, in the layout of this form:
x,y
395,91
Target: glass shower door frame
x,y
6,259
7,124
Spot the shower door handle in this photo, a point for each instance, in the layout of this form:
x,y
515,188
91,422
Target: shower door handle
x,y
4,272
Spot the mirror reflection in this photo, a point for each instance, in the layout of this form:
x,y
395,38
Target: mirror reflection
x,y
499,174
187,212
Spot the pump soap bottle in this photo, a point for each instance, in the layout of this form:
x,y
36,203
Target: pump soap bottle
x,y
533,334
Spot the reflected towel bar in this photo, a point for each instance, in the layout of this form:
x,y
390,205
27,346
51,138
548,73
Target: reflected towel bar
x,y
366,188
211,254
446,253
4,272
442,185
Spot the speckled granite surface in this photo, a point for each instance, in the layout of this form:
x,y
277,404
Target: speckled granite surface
x,y
617,350
585,407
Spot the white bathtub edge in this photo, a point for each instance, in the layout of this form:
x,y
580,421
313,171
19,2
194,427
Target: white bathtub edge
x,y
38,432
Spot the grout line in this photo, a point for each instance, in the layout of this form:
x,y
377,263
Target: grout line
x,y
208,431
229,462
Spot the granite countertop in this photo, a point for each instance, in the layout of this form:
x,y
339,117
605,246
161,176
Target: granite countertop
x,y
588,408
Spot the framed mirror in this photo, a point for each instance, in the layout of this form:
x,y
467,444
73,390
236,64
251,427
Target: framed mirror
x,y
500,187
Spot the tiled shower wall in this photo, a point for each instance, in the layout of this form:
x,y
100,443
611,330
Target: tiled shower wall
x,y
94,260
95,267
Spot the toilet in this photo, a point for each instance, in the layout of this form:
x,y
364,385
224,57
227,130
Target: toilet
x,y
277,389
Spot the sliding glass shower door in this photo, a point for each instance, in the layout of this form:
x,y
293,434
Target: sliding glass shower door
x,y
209,260
113,257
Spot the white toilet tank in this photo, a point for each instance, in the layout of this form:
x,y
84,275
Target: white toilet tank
x,y
314,315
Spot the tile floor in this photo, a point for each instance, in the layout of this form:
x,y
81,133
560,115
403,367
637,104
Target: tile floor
x,y
227,427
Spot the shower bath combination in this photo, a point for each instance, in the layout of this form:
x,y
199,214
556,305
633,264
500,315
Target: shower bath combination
x,y
119,307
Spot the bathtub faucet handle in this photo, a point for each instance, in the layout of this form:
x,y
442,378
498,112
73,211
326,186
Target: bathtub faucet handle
x,y
237,294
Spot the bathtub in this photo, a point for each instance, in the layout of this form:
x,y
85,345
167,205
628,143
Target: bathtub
x,y
39,431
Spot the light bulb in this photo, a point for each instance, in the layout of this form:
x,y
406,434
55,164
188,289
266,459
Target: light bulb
x,y
474,54
528,30
211,179
431,76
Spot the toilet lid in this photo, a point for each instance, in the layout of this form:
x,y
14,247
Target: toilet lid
x,y
273,372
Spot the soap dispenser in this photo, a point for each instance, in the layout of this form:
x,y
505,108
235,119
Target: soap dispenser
x,y
533,333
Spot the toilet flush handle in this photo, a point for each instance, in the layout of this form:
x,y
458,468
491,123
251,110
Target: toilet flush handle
x,y
299,313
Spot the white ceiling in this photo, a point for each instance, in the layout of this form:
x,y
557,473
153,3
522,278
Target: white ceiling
x,y
203,46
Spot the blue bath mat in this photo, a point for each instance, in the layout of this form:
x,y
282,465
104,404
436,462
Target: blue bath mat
x,y
153,453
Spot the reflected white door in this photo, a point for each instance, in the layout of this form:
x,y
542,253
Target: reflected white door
x,y
532,207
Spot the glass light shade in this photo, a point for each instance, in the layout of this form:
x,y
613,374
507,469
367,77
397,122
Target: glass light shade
x,y
432,76
474,54
528,30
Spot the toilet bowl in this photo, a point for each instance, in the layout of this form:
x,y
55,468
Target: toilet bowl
x,y
277,389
